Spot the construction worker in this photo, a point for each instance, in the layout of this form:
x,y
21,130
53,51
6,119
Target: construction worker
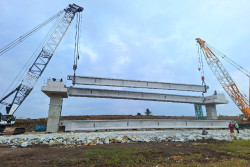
x,y
231,127
8,120
236,125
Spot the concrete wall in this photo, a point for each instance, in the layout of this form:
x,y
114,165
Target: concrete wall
x,y
86,125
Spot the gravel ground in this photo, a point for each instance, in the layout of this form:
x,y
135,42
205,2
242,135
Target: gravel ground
x,y
95,138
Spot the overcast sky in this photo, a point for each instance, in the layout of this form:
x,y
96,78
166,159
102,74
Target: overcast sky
x,y
152,40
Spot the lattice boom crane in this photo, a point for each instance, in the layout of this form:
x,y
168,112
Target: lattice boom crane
x,y
43,58
225,79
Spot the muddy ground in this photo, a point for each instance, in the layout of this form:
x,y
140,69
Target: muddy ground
x,y
196,153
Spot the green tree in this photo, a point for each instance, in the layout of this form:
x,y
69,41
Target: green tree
x,y
138,114
148,112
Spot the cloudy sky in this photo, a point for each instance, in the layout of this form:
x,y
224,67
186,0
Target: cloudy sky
x,y
152,40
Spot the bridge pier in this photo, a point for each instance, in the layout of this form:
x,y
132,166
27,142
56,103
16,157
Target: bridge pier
x,y
56,91
211,111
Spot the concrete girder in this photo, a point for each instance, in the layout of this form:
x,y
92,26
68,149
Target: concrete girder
x,y
118,94
89,125
80,80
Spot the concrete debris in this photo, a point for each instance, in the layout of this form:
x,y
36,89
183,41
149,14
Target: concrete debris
x,y
96,138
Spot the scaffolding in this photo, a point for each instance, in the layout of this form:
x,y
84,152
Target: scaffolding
x,y
198,112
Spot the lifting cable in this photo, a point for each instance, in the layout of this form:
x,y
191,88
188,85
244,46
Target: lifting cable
x,y
200,64
233,63
29,33
77,43
230,61
27,65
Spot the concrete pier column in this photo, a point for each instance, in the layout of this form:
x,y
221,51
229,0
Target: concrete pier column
x,y
211,111
56,90
55,109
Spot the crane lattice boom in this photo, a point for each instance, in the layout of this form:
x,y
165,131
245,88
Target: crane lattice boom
x,y
225,79
43,58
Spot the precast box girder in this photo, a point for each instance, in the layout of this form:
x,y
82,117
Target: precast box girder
x,y
118,94
81,80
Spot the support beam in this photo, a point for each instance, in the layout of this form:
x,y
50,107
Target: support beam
x,y
117,94
80,80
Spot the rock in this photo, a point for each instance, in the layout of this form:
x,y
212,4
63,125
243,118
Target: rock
x,y
24,144
45,142
14,147
21,141
59,137
106,141
125,137
55,142
92,144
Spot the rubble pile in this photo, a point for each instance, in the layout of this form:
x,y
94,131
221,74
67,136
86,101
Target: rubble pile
x,y
94,138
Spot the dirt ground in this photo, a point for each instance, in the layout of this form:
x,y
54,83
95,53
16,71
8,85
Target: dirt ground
x,y
30,124
199,153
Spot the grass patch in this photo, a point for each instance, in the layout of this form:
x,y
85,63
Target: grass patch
x,y
121,156
214,153
236,148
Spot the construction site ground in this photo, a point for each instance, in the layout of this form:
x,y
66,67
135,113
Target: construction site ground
x,y
168,153
196,153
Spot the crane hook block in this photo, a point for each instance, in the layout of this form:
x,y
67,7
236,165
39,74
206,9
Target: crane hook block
x,y
202,78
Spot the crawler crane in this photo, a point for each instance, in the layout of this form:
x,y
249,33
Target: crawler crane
x,y
224,78
44,55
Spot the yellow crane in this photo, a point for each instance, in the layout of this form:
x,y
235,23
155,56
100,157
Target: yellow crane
x,y
223,76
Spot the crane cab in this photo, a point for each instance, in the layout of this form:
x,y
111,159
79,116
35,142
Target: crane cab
x,y
7,119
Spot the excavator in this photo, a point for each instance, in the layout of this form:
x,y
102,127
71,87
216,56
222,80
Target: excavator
x,y
223,76
62,21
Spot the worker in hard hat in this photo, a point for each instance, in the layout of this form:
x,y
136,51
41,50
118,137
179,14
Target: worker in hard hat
x,y
231,127
236,125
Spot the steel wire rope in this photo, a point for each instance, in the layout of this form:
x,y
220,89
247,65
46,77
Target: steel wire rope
x,y
237,66
24,69
200,61
77,38
233,63
27,34
74,67
39,48
80,31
